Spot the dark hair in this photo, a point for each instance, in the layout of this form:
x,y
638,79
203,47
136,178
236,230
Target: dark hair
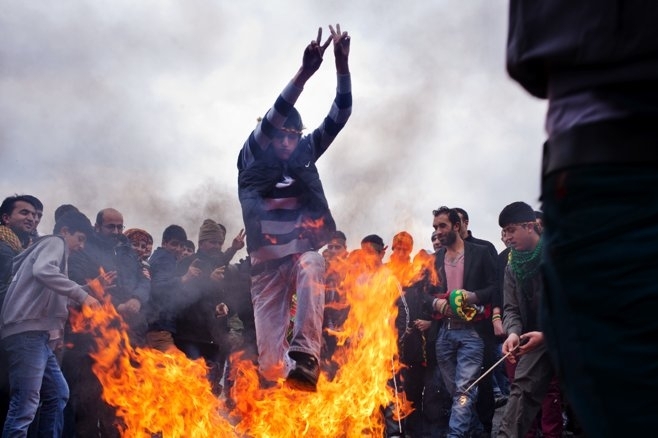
x,y
190,245
339,235
294,120
375,240
516,213
35,201
174,232
453,217
74,221
63,209
8,205
462,212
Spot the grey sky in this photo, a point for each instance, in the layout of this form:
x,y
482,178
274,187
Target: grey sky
x,y
143,106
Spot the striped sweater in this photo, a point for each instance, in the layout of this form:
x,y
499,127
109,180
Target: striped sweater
x,y
283,204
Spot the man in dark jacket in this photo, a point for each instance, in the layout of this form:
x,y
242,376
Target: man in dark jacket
x,y
199,330
468,276
596,62
107,249
287,220
168,288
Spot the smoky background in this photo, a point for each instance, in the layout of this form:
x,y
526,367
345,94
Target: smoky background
x,y
144,106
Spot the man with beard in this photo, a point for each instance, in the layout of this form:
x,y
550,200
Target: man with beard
x,y
128,289
486,402
467,279
287,219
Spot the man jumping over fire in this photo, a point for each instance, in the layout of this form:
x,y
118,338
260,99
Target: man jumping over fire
x,y
287,219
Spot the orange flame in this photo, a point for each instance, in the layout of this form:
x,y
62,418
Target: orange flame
x,y
168,394
154,392
309,223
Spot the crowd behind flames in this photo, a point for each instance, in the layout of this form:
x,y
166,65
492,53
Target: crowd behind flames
x,y
194,297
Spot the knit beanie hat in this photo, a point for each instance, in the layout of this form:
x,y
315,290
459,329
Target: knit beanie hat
x,y
211,230
516,213
137,234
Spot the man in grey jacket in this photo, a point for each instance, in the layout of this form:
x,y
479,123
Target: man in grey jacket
x,y
36,303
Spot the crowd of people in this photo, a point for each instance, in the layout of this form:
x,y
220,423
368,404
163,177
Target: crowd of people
x,y
594,328
200,303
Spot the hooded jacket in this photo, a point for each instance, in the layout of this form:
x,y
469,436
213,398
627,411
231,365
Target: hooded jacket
x,y
40,289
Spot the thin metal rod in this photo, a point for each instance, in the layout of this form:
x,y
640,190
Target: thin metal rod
x,y
491,369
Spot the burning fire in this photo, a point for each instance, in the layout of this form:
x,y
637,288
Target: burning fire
x,y
155,393
168,395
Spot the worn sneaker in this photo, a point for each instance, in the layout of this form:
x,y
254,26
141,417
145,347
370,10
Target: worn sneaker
x,y
304,376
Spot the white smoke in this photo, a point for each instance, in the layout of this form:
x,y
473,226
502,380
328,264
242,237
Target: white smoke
x,y
143,106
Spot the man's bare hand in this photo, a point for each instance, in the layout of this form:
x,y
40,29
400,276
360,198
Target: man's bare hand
x,y
130,307
221,310
511,344
530,341
498,327
238,241
192,272
422,324
341,42
91,302
218,274
107,279
313,54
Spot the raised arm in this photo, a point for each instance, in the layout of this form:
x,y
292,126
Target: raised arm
x,y
341,42
312,58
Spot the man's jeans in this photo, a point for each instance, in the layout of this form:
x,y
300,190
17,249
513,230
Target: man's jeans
x,y
600,321
271,294
459,354
34,376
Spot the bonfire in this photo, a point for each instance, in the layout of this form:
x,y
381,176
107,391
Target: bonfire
x,y
167,395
